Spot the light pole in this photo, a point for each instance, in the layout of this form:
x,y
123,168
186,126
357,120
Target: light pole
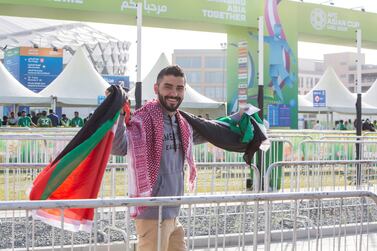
x,y
224,48
358,104
139,20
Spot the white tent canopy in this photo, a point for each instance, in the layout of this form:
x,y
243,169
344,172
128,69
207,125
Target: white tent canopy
x,y
370,97
193,99
78,85
338,97
13,92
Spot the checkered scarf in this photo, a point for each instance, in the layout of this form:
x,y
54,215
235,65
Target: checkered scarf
x,y
145,142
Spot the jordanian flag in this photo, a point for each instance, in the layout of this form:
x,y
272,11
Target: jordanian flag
x,y
78,170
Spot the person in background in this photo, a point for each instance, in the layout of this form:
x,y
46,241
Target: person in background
x,y
44,121
368,126
342,127
207,116
350,125
64,121
317,126
12,120
24,121
5,121
375,124
34,118
77,121
87,118
346,125
336,125
54,118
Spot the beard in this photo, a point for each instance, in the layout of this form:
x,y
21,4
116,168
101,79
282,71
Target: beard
x,y
166,105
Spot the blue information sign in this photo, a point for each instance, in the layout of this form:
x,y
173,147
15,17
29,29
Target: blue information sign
x,y
123,81
35,68
319,98
100,99
279,115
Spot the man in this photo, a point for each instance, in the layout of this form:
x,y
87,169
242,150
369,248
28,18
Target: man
x,y
34,117
24,121
5,121
87,118
54,118
12,120
342,127
166,149
77,121
64,121
44,121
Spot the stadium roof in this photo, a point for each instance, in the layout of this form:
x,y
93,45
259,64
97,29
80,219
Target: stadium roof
x,y
108,54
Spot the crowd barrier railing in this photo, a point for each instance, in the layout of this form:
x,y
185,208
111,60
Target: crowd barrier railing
x,y
274,221
213,178
331,175
336,149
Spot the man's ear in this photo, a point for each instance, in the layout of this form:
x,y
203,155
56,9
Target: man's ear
x,y
155,88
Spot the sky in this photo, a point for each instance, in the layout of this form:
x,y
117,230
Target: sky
x,y
156,41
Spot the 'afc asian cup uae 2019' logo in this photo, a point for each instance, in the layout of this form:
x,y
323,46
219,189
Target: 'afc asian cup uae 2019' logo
x,y
318,18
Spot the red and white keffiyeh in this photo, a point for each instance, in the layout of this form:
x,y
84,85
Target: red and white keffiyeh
x,y
145,134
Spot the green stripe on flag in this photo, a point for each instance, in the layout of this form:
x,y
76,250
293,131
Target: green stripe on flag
x,y
71,160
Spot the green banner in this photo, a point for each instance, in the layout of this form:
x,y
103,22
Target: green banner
x,y
228,12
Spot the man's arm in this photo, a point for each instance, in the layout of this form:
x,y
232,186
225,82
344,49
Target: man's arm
x,y
120,139
197,138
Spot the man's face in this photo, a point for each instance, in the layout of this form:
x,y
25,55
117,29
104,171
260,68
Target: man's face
x,y
23,114
170,92
76,114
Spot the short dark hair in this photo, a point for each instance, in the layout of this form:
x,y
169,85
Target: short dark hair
x,y
174,70
51,111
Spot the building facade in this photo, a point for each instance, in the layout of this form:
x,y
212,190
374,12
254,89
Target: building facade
x,y
344,65
205,71
310,71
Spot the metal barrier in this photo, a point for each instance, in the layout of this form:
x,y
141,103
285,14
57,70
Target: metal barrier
x,y
331,175
354,137
285,221
35,148
26,148
336,149
213,178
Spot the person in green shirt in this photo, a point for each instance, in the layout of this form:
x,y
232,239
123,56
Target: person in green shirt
x,y
342,127
44,121
24,121
77,121
64,121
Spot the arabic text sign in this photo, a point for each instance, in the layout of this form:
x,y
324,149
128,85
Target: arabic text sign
x,y
228,12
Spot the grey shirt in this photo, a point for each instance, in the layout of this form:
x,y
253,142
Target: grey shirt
x,y
170,180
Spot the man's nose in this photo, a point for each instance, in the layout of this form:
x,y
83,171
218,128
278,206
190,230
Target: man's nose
x,y
173,92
